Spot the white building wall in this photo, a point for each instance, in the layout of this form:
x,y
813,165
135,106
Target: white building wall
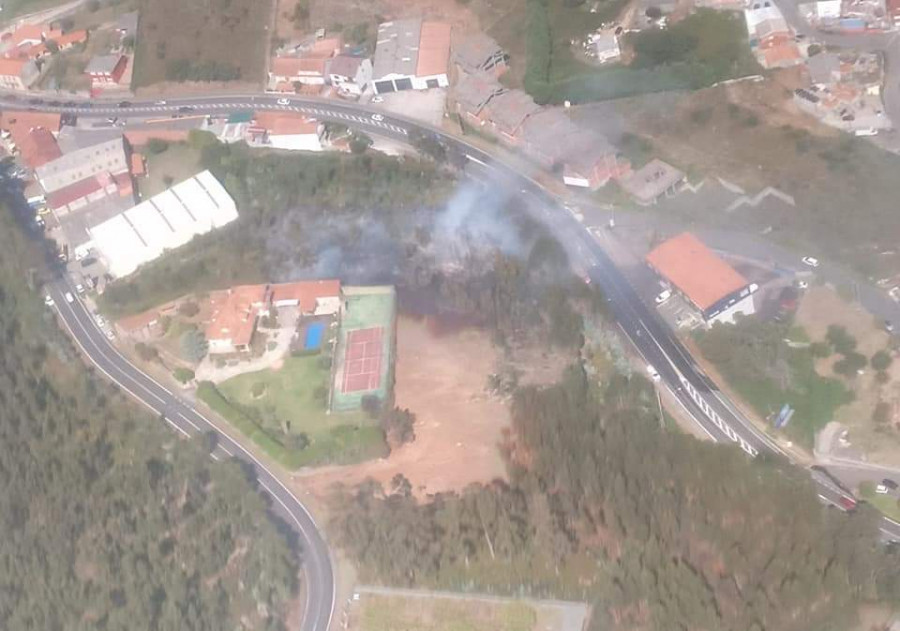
x,y
296,142
744,306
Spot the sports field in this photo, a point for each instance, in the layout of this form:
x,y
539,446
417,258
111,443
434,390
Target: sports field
x,y
365,346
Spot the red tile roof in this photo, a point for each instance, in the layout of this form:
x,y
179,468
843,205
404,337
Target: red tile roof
x,y
327,47
12,67
137,164
39,147
140,137
73,192
73,37
235,318
19,123
298,66
306,293
434,49
284,124
695,270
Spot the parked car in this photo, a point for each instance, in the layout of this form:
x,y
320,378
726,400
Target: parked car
x,y
890,484
881,489
69,297
888,326
283,101
101,321
110,334
812,262
377,99
664,295
48,300
654,375
79,288
802,284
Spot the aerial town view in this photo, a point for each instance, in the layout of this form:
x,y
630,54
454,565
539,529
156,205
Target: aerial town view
x,y
450,315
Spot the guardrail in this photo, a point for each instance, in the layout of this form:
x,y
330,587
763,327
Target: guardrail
x,y
712,415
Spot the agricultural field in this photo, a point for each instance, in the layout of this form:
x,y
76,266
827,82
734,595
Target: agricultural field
x,y
203,41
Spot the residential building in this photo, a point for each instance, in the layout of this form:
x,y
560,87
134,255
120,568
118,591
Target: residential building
x,y
594,163
304,70
480,53
235,313
164,222
411,55
18,124
38,147
311,297
18,74
106,69
655,179
707,282
506,113
75,166
605,46
350,75
472,93
286,130
771,39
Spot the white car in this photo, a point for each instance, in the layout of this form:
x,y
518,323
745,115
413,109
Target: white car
x,y
664,295
161,102
69,297
283,101
377,117
48,300
79,288
802,284
881,489
101,321
651,371
377,99
110,334
808,260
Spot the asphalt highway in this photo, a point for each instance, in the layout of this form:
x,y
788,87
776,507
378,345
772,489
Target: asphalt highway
x,y
319,583
652,338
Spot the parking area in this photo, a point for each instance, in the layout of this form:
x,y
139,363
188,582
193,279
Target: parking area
x,y
678,313
423,105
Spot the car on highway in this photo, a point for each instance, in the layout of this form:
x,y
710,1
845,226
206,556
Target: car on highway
x,y
185,108
377,117
810,261
35,101
160,102
652,372
101,321
79,288
125,104
69,297
110,334
847,503
664,295
48,300
888,326
283,101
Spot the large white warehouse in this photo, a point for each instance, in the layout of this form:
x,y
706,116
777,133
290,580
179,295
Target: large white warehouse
x,y
163,222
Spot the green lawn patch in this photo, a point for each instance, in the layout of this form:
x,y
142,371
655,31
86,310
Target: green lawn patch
x,y
176,163
767,373
887,504
283,411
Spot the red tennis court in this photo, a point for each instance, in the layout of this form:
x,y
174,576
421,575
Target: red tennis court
x,y
362,360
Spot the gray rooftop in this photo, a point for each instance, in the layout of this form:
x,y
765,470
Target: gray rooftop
x,y
606,41
74,138
79,164
397,48
510,109
473,92
473,51
550,135
652,180
102,64
127,23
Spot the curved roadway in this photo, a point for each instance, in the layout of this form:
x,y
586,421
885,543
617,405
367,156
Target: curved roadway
x,y
655,341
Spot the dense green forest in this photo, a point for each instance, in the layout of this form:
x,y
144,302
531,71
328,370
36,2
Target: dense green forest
x,y
109,520
658,530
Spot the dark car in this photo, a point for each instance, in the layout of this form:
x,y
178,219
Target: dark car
x,y
70,104
185,108
35,101
54,103
125,104
890,484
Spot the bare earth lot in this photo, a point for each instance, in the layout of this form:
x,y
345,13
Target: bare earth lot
x,y
458,426
229,33
822,306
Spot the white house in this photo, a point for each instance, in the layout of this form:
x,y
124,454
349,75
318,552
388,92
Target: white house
x,y
349,74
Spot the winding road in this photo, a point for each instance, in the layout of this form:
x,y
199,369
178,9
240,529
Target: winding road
x,y
652,338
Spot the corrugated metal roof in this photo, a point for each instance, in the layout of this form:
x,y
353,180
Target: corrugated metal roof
x,y
397,48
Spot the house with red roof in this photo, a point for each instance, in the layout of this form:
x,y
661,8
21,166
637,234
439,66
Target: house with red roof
x,y
286,130
18,74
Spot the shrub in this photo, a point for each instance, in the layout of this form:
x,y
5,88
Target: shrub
x,y
850,364
840,339
398,426
188,309
820,349
183,375
371,405
193,345
146,352
881,361
156,146
359,143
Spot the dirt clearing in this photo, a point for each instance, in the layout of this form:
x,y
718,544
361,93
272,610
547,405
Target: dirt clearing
x,y
442,379
877,435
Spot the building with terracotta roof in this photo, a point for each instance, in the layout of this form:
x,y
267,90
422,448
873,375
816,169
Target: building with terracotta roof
x,y
303,70
411,55
18,74
349,75
311,297
710,284
234,318
38,147
286,130
18,124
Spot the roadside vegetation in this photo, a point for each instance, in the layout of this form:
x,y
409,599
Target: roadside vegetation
x,y
109,519
706,47
684,539
757,361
